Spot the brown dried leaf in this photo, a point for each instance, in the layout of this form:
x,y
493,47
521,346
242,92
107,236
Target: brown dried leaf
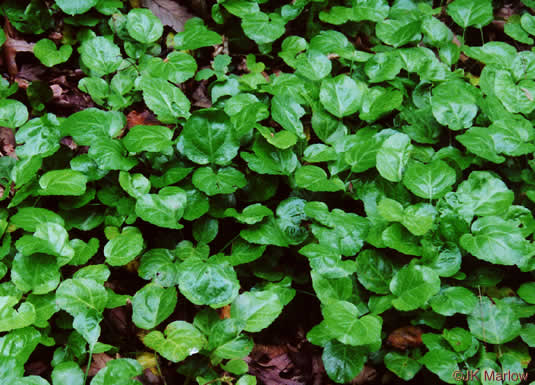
x,y
99,362
405,337
169,12
145,118
7,141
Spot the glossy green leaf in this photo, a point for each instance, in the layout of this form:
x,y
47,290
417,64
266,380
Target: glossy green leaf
x,y
179,340
45,50
143,26
152,304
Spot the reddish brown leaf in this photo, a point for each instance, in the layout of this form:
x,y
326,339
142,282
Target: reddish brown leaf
x,y
145,118
405,337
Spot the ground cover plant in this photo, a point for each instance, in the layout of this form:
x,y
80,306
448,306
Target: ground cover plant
x,y
257,192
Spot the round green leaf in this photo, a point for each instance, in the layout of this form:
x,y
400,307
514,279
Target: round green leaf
x,y
143,26
152,304
181,340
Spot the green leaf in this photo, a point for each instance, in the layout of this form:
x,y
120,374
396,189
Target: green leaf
x,y
313,65
46,51
75,7
263,28
208,282
11,318
158,265
81,295
67,373
269,160
207,137
495,323
450,108
181,340
205,230
344,232
393,156
453,300
342,319
402,365
251,214
286,112
181,67
258,309
143,26
483,194
135,185
12,113
419,218
398,32
343,362
152,304
101,55
498,241
167,101
313,178
196,35
341,95
443,363
471,13
328,289
110,154
414,285
63,182
515,96
378,102
429,181
513,28
91,124
118,371
226,181
29,218
383,66
41,137
38,273
526,292
528,334
148,138
164,209
124,248
374,271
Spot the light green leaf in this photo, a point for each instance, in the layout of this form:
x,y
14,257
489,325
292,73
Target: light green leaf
x,y
148,138
402,365
498,241
313,178
286,112
119,371
143,26
471,13
152,304
67,373
258,309
263,28
526,291
92,124
101,55
158,265
38,273
46,51
167,101
451,300
164,209
207,138
495,323
28,218
124,248
414,285
208,282
226,181
342,319
443,363
343,362
63,182
341,95
11,318
454,104
374,271
196,35
393,156
75,7
12,113
429,181
313,65
181,340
